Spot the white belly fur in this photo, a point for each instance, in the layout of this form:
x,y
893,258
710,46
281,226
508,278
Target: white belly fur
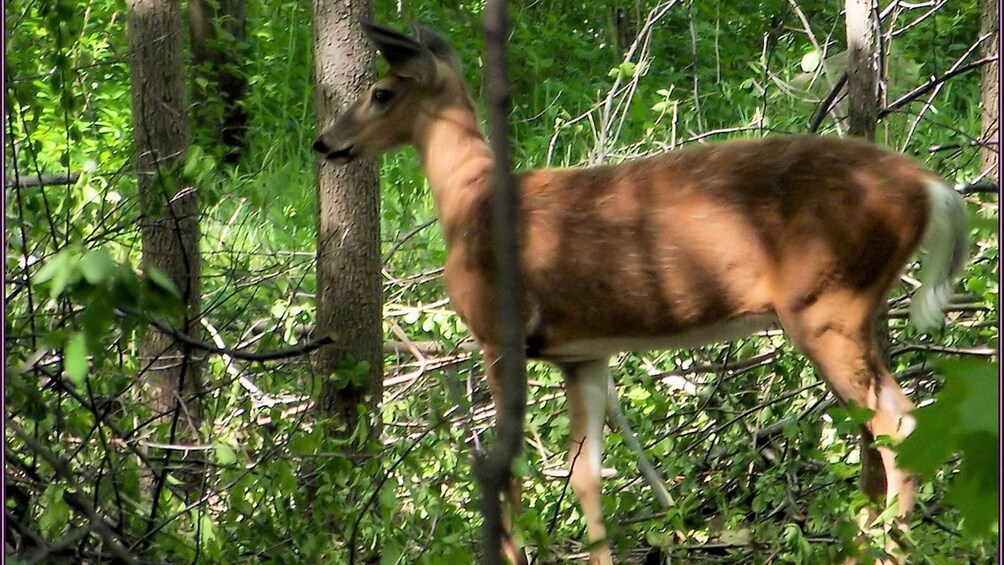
x,y
598,348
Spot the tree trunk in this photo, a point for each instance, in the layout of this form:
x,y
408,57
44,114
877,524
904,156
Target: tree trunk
x,y
863,100
862,115
494,469
169,222
348,246
862,69
990,98
217,29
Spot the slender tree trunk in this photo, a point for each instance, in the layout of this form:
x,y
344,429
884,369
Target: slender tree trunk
x,y
862,115
990,99
494,470
217,29
862,68
863,97
348,246
169,221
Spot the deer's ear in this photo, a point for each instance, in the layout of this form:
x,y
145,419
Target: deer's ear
x,y
407,57
433,42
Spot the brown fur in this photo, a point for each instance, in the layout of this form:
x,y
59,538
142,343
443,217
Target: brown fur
x,y
812,231
670,243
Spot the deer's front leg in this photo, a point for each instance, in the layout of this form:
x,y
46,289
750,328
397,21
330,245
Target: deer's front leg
x,y
586,391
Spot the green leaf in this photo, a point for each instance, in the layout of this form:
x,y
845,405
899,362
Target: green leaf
x,y
521,467
963,419
224,454
60,272
974,490
388,497
51,268
623,71
96,266
975,384
859,414
932,441
352,373
305,444
391,552
65,276
192,162
160,281
55,516
75,358
207,528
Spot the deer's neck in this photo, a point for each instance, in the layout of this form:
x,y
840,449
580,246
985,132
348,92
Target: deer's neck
x,y
458,163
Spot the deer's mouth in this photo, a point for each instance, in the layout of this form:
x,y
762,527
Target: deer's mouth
x,y
344,155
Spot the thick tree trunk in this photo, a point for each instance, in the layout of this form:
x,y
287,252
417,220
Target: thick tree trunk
x,y
217,29
990,99
169,221
348,246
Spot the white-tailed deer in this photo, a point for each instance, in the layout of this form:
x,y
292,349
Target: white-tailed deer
x,y
676,250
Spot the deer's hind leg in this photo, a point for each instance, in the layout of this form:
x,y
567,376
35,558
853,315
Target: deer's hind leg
x,y
836,333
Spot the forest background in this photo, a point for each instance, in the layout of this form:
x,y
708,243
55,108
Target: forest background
x,y
255,461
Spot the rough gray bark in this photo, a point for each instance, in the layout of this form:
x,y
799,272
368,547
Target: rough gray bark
x,y
348,246
217,31
862,68
169,229
862,116
863,98
990,99
170,214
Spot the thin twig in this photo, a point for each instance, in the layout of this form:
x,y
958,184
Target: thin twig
x,y
927,86
827,104
199,345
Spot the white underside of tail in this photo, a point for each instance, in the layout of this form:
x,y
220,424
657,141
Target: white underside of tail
x,y
945,230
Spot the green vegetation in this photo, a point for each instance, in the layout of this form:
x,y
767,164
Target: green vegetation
x,y
762,463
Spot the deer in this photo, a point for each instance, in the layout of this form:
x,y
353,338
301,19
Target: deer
x,y
684,248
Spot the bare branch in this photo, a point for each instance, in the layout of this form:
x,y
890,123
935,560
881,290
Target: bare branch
x,y
242,354
827,104
494,469
40,180
927,86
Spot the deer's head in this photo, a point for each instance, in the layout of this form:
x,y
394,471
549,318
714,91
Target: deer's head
x,y
424,74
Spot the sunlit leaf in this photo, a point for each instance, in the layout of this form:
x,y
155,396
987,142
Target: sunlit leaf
x,y
810,61
96,266
224,454
75,358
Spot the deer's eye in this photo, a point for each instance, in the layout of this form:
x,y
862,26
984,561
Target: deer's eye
x,y
382,95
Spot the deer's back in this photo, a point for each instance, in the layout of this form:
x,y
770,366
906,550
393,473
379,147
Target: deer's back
x,y
689,239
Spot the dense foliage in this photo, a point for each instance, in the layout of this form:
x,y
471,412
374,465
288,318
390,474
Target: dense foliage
x,y
762,462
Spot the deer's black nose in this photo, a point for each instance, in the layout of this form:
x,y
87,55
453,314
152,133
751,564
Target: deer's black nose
x,y
321,147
